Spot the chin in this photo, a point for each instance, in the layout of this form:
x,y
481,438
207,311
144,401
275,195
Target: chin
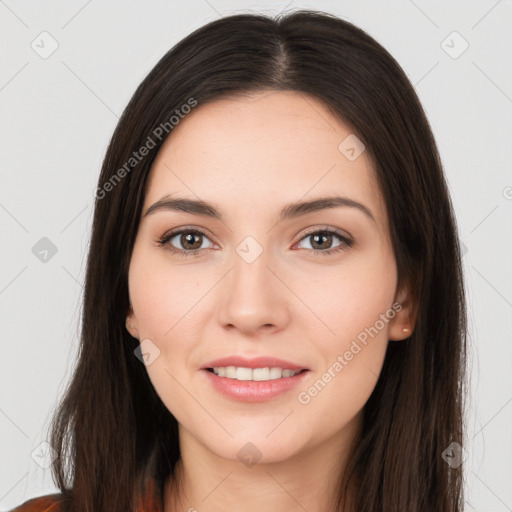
x,y
256,448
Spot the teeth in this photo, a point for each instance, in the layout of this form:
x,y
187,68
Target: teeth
x,y
261,374
275,373
256,374
243,374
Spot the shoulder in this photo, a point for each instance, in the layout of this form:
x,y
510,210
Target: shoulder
x,y
48,503
151,501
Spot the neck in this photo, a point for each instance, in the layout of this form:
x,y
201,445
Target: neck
x,y
308,480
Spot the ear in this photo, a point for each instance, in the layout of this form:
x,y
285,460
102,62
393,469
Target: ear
x,y
401,326
131,323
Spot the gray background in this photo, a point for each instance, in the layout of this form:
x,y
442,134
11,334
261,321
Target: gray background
x,y
58,114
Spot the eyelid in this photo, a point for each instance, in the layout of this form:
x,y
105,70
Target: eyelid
x,y
176,231
316,229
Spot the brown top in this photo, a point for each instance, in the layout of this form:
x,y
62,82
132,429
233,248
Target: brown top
x,y
52,502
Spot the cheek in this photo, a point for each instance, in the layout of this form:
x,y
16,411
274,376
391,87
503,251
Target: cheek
x,y
348,298
351,366
357,307
165,298
337,396
161,297
161,294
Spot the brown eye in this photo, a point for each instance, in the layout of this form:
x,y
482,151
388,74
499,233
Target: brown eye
x,y
184,242
326,242
190,240
321,241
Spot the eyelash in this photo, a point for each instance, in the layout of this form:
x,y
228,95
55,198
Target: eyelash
x,y
345,242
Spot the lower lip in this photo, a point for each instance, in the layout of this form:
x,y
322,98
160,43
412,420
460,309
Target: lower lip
x,y
254,391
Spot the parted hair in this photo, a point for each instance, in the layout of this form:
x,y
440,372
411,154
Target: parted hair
x,y
112,432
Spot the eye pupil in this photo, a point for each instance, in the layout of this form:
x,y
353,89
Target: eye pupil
x,y
188,239
317,237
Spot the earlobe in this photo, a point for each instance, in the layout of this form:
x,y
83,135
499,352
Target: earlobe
x,y
131,324
402,325
131,328
406,331
399,330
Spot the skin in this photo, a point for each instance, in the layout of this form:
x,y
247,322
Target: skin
x,y
250,155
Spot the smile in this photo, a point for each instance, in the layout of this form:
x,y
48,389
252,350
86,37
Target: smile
x,y
254,374
253,390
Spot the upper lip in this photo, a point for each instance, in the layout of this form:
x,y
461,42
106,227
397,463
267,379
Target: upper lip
x,y
257,362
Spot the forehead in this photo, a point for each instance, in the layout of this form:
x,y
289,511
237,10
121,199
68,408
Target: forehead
x,y
262,149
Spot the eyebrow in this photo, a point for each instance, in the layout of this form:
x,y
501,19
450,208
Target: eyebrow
x,y
290,211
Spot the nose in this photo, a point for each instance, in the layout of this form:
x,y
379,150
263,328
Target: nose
x,y
253,299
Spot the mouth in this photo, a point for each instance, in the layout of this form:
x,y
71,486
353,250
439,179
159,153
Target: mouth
x,y
262,374
253,380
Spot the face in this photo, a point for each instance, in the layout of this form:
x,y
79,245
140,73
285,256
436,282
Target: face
x,y
313,290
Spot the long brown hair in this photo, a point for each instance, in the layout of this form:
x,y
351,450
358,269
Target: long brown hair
x,y
111,430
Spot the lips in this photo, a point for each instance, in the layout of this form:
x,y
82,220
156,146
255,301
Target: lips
x,y
258,362
253,379
251,390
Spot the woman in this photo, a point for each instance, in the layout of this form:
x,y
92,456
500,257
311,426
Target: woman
x,y
274,314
